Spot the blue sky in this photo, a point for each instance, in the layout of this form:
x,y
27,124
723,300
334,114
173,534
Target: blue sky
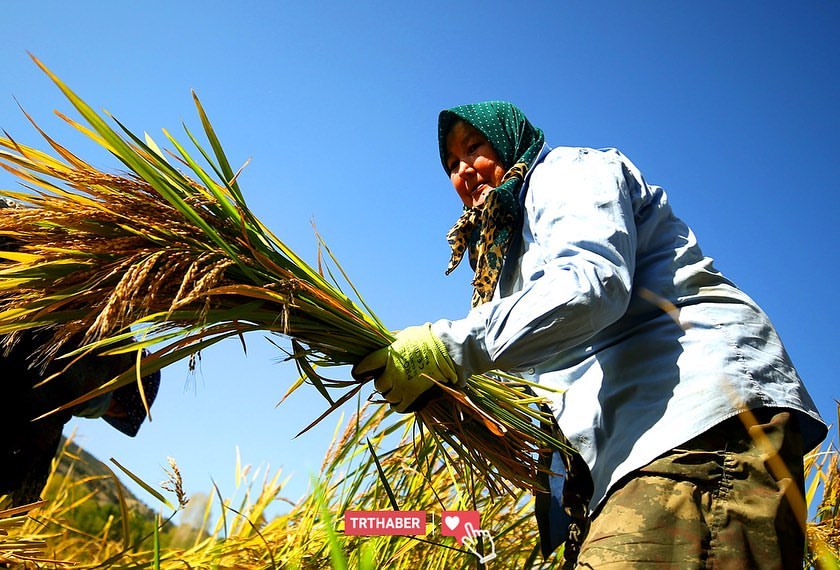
x,y
731,106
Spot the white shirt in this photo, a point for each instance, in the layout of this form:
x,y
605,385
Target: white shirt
x,y
606,295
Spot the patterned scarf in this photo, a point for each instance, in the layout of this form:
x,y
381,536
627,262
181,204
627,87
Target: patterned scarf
x,y
485,231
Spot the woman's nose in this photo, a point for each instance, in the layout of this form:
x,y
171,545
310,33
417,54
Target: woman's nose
x,y
464,168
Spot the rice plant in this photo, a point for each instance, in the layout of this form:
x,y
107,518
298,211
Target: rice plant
x,y
364,469
153,258
822,468
310,534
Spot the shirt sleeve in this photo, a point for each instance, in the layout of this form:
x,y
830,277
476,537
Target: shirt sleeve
x,y
576,272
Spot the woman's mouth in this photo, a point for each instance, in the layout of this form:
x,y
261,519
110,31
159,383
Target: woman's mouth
x,y
480,193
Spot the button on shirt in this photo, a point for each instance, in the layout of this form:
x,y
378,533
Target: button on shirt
x,y
606,295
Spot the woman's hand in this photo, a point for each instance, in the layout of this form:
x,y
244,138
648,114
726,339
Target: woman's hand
x,y
409,367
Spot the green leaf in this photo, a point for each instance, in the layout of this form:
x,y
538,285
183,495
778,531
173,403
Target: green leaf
x,y
148,488
217,149
384,480
339,561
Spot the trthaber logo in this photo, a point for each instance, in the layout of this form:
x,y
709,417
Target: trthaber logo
x,y
378,523
464,526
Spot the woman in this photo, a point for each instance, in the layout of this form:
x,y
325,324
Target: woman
x,y
586,281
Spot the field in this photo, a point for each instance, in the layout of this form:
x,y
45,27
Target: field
x,y
234,269
89,522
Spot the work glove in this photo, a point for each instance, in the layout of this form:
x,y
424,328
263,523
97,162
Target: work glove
x,y
403,371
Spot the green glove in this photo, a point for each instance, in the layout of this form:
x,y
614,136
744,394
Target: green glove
x,y
404,370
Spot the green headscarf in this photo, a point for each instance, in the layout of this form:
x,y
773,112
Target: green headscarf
x,y
486,230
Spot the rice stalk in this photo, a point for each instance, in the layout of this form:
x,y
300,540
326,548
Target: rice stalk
x,y
822,468
155,258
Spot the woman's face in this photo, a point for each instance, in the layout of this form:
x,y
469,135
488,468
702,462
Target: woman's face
x,y
474,166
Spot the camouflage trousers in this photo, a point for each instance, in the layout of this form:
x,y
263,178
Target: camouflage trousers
x,y
730,498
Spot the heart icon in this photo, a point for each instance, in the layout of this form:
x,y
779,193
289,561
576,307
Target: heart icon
x,y
454,523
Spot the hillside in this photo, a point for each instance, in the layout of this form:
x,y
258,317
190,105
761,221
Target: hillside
x,y
93,475
87,488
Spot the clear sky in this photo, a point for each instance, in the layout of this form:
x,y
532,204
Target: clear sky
x,y
731,106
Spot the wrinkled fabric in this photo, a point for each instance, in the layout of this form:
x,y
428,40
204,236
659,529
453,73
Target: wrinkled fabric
x,y
511,134
722,500
28,445
607,296
485,231
130,403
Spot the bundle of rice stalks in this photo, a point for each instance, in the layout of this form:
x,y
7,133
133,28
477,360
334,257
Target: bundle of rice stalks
x,y
156,259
